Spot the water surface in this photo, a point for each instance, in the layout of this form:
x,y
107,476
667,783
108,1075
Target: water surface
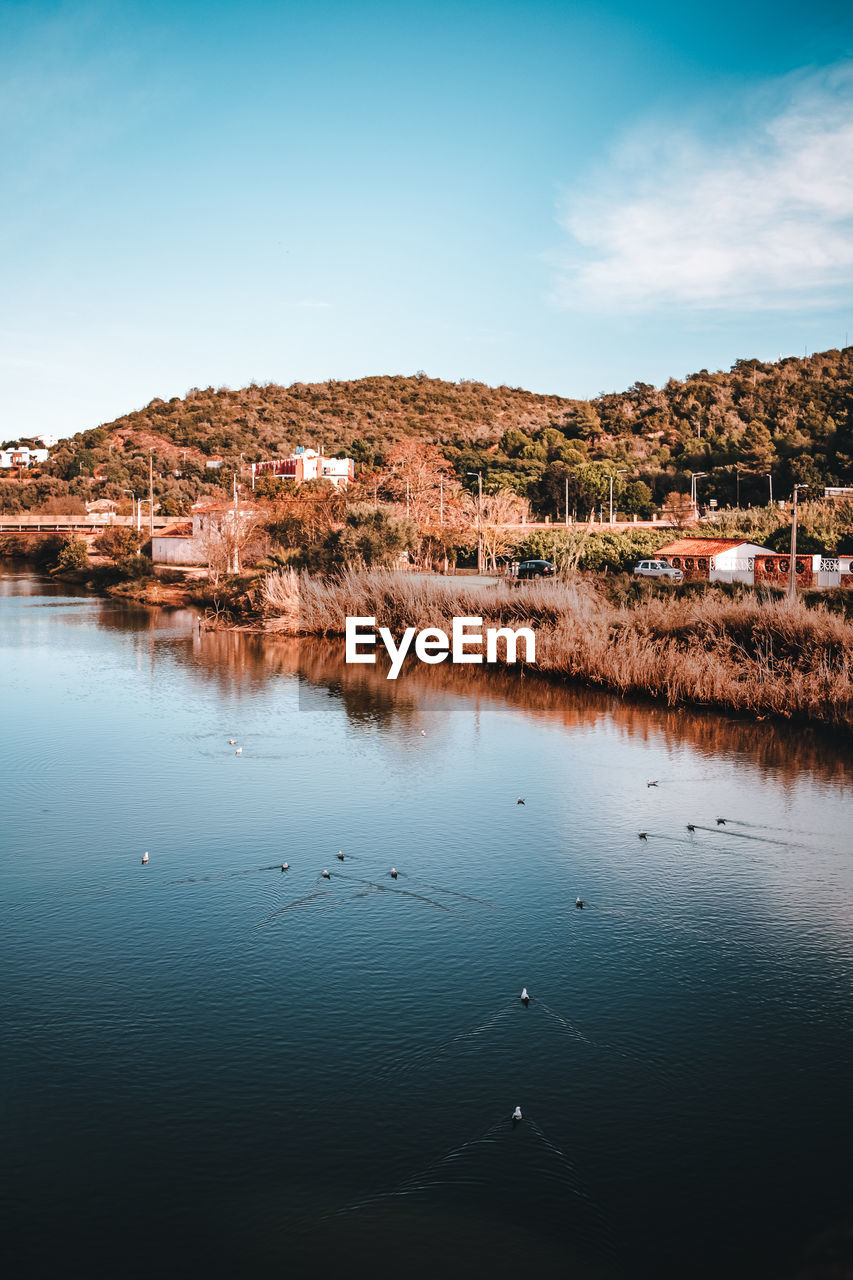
x,y
211,1067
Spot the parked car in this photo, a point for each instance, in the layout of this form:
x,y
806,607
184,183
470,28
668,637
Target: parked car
x,y
536,569
657,569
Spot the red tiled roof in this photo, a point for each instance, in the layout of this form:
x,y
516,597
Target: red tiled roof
x,y
182,530
702,546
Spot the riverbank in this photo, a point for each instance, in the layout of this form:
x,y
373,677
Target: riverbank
x,y
747,654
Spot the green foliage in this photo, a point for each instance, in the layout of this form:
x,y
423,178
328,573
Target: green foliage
x,y
611,549
117,542
369,537
73,554
132,567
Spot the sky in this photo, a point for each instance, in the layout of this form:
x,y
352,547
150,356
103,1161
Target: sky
x,y
565,197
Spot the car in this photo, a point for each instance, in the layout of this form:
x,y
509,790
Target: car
x,y
536,569
657,569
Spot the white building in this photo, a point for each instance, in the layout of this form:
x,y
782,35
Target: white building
x,y
307,464
22,456
194,541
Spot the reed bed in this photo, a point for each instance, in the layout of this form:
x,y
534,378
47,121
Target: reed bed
x,y
762,657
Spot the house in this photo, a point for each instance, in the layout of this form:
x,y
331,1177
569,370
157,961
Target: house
x,y
736,560
196,541
713,559
22,456
308,464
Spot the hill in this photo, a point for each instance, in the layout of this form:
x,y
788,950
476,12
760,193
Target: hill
x,y
793,418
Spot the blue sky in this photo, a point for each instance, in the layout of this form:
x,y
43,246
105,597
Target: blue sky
x,y
566,197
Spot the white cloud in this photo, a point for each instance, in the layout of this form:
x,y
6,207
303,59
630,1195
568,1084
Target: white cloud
x,y
761,221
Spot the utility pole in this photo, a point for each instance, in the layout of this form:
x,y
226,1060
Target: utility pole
x,y
737,483
770,478
151,493
441,499
567,502
792,580
479,476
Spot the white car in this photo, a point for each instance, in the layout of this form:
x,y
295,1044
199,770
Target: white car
x,y
657,569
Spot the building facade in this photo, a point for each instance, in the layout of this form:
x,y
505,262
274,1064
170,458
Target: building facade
x,y
308,464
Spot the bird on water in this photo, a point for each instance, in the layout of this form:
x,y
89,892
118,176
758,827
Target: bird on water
x,y
524,997
340,855
520,800
653,783
721,822
326,875
691,827
643,835
239,751
393,873
285,866
579,903
516,1115
145,858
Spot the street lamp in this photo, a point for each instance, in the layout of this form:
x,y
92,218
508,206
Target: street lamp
x,y
623,472
479,476
792,580
770,478
694,476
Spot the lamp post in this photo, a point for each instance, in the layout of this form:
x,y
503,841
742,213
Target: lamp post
x,y
623,472
792,580
479,476
770,478
694,476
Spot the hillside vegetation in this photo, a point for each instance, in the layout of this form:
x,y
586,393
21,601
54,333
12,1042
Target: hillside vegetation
x,y
793,418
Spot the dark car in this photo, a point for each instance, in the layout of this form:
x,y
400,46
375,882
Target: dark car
x,y
536,569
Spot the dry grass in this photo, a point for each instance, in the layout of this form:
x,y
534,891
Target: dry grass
x,y
759,656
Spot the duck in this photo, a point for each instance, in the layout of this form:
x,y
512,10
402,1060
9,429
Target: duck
x,y
285,866
520,800
691,826
232,742
393,873
579,903
653,783
516,1115
340,855
423,733
326,875
239,751
145,858
643,835
524,997
721,822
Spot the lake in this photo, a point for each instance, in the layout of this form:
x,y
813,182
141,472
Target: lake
x,y
214,1067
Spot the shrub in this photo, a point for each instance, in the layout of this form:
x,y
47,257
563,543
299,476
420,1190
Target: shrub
x,y
73,554
117,542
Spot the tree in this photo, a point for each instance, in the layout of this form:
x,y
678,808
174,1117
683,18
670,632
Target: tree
x,y
500,509
637,499
756,447
678,508
117,541
73,554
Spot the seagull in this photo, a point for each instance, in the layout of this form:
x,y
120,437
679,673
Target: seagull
x,y
239,751
524,997
644,835
393,873
232,742
721,822
579,902
653,783
340,855
423,733
285,866
690,826
326,875
520,800
145,857
516,1115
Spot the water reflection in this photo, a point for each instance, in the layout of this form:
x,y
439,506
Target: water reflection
x,y
239,660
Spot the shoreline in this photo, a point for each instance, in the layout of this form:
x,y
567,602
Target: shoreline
x,y
754,658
